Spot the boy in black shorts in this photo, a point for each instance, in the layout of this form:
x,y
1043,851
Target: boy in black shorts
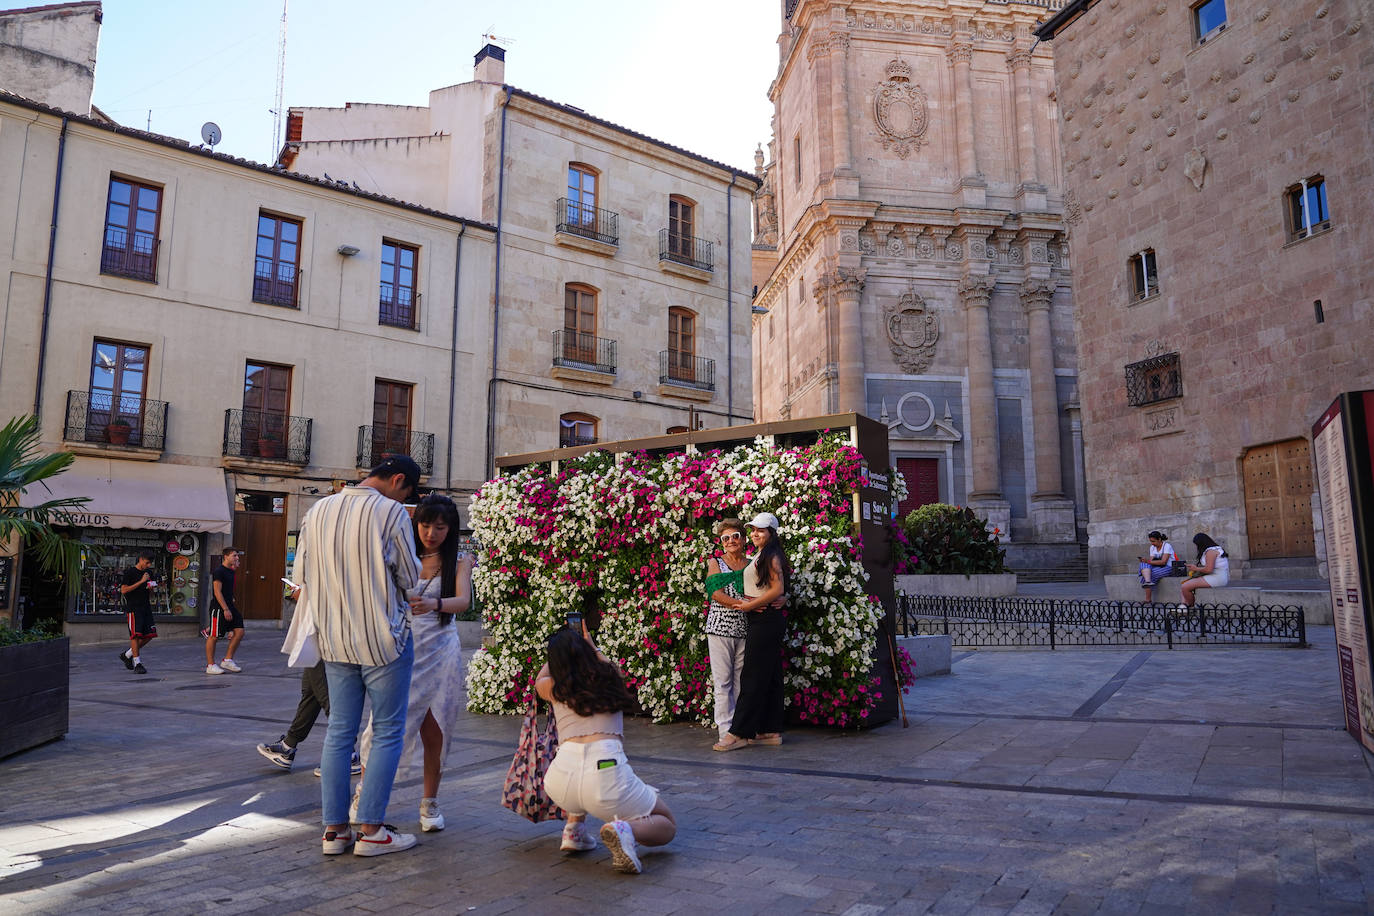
x,y
134,585
225,618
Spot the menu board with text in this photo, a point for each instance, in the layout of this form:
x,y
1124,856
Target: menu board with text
x,y
1342,446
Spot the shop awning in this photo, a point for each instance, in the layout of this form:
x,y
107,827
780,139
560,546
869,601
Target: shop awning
x,y
134,494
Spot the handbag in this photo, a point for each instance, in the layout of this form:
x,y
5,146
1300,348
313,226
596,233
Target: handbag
x,y
523,791
300,647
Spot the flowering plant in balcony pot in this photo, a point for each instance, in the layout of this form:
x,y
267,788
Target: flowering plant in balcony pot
x,y
118,431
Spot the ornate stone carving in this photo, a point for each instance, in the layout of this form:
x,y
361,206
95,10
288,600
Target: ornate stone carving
x,y
925,248
765,209
960,52
900,110
849,241
953,252
976,289
818,48
896,246
866,244
1195,167
1036,293
912,331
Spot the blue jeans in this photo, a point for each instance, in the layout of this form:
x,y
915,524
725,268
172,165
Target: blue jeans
x,y
387,687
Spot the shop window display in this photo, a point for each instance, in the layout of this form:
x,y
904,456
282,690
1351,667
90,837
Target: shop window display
x,y
177,569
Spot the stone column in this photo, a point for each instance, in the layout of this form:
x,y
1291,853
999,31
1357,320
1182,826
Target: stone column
x,y
844,176
974,292
960,55
1031,191
1052,517
847,284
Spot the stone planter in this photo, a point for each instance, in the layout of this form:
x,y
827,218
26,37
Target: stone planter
x,y
34,683
997,585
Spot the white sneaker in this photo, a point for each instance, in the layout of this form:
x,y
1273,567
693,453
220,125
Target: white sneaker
x,y
213,669
576,838
230,665
620,840
385,840
430,818
335,844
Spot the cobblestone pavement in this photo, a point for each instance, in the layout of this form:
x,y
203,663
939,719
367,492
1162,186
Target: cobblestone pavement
x,y
1078,781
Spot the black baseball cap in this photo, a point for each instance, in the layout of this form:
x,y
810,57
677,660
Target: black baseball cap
x,y
392,465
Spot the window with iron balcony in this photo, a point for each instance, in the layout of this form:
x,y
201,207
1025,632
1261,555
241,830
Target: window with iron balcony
x,y
276,269
132,213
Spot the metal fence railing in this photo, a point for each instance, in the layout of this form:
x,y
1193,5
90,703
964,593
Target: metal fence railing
x,y
583,351
120,420
376,442
1058,623
686,249
590,222
272,436
676,368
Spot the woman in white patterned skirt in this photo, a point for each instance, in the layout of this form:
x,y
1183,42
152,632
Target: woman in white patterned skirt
x,y
436,681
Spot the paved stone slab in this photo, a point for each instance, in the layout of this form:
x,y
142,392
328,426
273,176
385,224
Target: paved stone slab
x,y
1079,781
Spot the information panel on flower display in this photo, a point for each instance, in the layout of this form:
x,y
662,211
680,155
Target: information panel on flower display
x,y
1343,448
631,523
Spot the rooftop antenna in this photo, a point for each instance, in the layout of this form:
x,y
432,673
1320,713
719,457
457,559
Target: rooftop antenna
x,y
281,84
211,134
487,37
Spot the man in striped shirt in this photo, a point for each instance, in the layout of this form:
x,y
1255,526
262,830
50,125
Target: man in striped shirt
x,y
356,557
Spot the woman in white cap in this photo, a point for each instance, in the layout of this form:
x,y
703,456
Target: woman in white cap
x,y
758,717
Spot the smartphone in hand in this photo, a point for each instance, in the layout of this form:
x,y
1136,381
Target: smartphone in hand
x,y
289,583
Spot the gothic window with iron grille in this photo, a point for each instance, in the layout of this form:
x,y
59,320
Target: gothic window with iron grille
x,y
1152,380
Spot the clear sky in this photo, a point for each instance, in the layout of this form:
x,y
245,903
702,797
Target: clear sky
x,y
694,74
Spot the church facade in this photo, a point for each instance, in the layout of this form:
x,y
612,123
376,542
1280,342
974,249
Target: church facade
x,y
910,253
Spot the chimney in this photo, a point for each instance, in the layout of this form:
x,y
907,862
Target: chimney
x,y
489,66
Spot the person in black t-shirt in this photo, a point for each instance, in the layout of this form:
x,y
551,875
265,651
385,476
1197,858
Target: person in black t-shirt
x,y
134,585
225,618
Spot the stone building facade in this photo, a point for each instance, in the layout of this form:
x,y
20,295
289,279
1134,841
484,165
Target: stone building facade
x,y
1218,162
910,252
621,298
216,342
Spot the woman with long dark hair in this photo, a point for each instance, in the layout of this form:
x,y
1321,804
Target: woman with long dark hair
x,y
590,774
1212,570
758,717
436,681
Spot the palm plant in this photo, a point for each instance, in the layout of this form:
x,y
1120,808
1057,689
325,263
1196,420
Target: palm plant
x,y
22,466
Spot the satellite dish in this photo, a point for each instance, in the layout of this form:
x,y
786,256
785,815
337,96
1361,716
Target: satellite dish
x,y
210,133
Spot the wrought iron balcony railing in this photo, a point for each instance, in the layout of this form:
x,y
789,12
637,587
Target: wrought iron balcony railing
x,y
684,249
1154,379
583,351
136,261
399,308
676,368
587,221
275,283
272,436
119,420
568,440
377,442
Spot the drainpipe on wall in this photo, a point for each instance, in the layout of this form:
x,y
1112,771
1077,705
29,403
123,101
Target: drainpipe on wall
x,y
453,357
47,278
496,294
729,305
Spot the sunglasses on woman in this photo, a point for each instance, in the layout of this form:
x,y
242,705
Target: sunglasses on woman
x,y
727,538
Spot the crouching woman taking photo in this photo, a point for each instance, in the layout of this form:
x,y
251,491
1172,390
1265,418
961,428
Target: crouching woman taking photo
x,y
590,774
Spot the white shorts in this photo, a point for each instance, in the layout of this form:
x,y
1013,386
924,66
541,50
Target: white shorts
x,y
580,781
1216,580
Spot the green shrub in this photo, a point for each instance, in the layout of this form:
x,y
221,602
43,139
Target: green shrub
x,y
39,632
951,539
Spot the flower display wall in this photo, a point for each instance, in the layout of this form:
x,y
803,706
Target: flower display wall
x,y
638,530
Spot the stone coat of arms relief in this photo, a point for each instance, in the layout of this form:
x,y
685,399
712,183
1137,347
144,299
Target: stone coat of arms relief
x,y
912,331
900,111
